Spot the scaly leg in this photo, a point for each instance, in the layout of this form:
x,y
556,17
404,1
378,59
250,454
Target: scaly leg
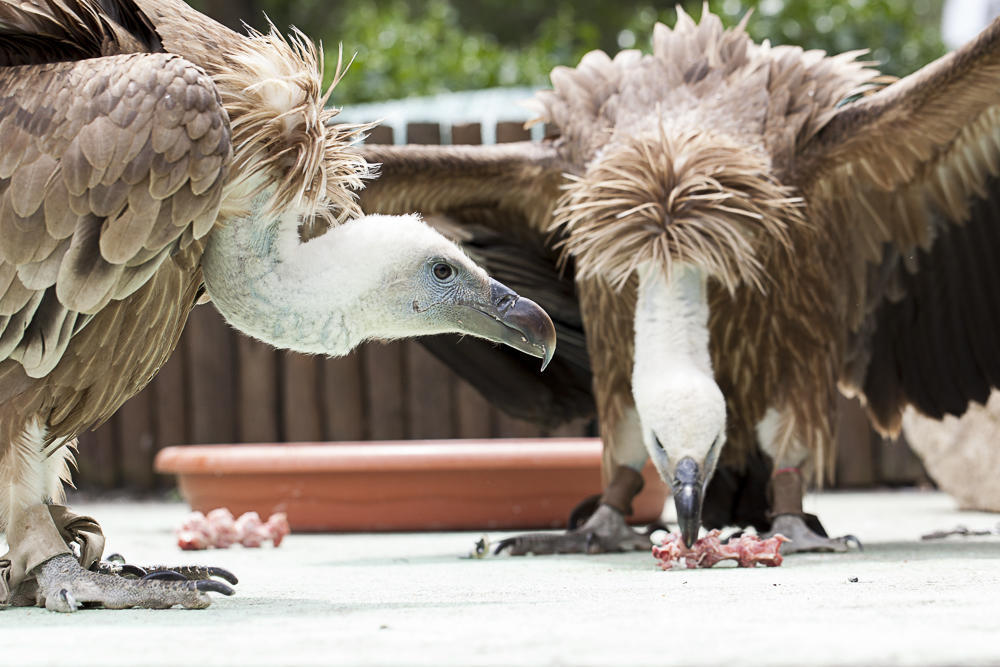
x,y
51,548
787,487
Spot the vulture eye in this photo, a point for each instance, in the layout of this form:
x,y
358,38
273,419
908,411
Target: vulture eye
x,y
443,271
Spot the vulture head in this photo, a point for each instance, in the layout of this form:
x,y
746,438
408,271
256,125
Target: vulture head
x,y
371,277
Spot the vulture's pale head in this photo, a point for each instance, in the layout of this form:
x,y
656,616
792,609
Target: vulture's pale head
x,y
374,277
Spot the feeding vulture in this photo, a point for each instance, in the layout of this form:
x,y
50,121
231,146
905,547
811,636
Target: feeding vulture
x,y
749,227
148,151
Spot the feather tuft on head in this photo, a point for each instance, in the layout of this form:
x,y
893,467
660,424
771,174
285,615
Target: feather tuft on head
x,y
689,197
282,132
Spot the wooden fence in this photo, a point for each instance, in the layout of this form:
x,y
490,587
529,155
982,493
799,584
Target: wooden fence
x,y
222,387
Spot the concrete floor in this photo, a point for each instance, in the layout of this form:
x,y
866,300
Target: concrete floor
x,y
375,599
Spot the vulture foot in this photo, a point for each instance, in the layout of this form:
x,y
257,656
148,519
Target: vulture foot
x,y
63,585
807,536
604,532
115,564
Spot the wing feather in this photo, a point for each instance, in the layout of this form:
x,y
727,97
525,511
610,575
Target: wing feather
x,y
911,178
98,195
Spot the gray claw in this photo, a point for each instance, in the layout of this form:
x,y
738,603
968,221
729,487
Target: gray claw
x,y
210,585
223,574
69,601
165,575
849,540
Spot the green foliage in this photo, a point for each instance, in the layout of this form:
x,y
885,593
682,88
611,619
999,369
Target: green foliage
x,y
414,47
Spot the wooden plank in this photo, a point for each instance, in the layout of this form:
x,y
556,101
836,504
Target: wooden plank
x,y
343,387
300,397
429,385
259,406
430,396
509,427
383,367
210,371
466,133
512,130
380,134
856,458
504,426
423,133
577,428
136,433
97,459
169,410
474,416
898,465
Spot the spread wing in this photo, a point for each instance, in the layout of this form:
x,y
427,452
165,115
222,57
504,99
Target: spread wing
x,y
107,165
496,201
910,178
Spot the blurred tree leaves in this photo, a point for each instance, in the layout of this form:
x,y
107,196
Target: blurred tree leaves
x,y
419,47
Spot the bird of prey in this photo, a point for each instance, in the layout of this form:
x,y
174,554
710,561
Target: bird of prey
x,y
149,154
749,229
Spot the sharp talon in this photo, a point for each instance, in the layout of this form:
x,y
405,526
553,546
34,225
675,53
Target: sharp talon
x,y
210,585
132,570
165,575
851,539
224,574
503,544
69,600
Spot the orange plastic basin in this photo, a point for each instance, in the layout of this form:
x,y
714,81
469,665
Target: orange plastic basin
x,y
402,485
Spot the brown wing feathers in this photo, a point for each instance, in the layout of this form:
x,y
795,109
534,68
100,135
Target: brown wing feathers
x,y
38,31
108,163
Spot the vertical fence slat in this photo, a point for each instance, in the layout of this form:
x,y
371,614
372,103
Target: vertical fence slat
x,y
898,465
508,131
136,440
508,427
428,381
210,372
343,393
257,391
300,395
474,416
383,366
97,459
855,445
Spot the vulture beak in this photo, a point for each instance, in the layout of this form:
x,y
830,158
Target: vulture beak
x,y
687,498
513,320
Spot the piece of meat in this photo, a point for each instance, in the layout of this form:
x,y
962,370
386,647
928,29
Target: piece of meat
x,y
221,530
224,528
747,551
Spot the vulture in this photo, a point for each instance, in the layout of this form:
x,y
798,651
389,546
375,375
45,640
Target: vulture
x,y
742,230
149,153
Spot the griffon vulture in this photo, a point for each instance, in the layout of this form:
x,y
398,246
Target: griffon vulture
x,y
148,150
749,227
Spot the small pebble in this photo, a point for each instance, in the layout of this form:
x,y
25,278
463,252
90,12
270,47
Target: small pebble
x,y
853,580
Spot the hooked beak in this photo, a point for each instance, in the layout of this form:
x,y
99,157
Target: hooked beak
x,y
513,320
687,498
